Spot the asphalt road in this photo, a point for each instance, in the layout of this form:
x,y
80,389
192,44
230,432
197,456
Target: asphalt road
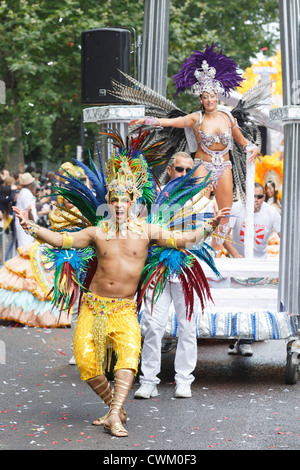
x,y
237,404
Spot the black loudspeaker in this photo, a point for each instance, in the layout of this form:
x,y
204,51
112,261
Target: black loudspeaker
x,y
103,53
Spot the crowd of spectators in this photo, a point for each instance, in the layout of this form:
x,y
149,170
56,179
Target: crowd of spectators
x,y
10,187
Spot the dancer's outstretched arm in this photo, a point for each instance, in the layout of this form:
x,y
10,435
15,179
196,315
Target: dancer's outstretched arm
x,y
177,239
80,239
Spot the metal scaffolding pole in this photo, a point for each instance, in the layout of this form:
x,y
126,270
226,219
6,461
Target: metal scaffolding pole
x,y
154,57
289,114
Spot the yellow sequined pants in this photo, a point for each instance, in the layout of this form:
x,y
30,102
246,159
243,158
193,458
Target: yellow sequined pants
x,y
105,322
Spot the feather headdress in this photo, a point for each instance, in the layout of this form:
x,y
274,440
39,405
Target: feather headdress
x,y
127,169
207,71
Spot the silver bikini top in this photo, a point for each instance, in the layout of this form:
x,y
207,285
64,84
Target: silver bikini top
x,y
208,138
193,144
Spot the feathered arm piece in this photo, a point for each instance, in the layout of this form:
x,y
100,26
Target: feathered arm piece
x,y
141,94
70,269
166,263
173,139
244,112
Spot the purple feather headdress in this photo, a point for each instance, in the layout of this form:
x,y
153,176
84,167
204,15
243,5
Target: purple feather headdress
x,y
207,71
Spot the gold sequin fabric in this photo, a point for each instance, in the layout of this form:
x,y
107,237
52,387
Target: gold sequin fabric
x,y
104,323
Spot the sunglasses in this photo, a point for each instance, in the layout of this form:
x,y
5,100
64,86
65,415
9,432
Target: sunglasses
x,y
259,196
180,169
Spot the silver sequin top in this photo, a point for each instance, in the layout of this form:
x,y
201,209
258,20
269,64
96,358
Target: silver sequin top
x,y
208,139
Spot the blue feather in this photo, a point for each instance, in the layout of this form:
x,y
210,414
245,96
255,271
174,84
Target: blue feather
x,y
172,259
78,259
177,186
76,187
99,159
202,251
97,184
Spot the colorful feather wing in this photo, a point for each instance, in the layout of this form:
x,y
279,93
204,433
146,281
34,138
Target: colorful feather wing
x,y
70,270
170,211
167,263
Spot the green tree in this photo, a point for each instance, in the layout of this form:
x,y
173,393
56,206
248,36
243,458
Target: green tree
x,y
41,65
40,60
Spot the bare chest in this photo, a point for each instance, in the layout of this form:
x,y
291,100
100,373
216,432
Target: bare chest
x,y
119,247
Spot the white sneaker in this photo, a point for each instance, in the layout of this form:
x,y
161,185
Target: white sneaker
x,y
245,350
183,391
72,361
233,350
146,391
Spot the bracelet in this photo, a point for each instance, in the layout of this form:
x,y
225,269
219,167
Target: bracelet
x,y
248,147
223,231
31,229
151,122
67,241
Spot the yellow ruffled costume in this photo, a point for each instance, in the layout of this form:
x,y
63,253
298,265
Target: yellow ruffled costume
x,y
25,281
24,284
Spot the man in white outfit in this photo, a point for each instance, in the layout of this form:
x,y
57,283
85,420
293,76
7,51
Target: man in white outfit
x,y
155,322
25,198
266,221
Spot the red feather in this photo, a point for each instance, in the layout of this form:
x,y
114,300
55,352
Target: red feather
x,y
145,287
186,290
201,277
202,292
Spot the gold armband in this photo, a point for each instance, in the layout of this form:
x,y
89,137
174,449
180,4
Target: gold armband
x,y
171,242
67,241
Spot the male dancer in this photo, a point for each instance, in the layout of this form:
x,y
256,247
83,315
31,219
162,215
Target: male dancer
x,y
107,312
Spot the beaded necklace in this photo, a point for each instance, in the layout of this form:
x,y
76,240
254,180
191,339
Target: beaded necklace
x,y
133,224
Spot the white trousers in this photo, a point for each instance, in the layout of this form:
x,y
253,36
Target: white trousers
x,y
74,319
155,325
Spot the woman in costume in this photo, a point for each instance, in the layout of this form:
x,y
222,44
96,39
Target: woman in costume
x,y
25,282
210,75
124,265
25,279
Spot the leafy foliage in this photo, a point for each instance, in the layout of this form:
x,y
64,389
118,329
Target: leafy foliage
x,y
40,58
